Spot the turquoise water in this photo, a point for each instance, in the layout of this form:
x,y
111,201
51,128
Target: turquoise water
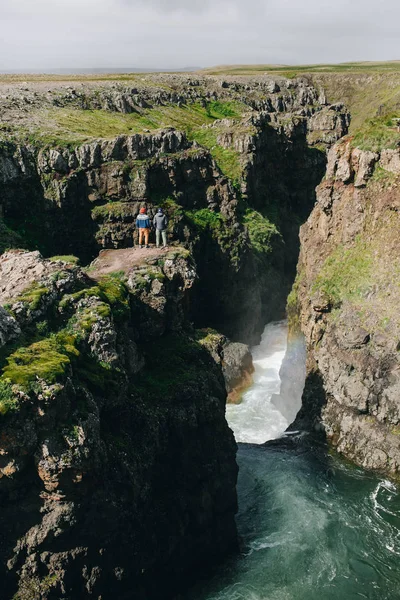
x,y
312,527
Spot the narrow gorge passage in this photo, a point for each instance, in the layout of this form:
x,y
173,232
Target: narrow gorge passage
x,y
311,526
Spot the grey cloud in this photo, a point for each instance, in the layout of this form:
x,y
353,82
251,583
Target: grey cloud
x,y
168,6
174,33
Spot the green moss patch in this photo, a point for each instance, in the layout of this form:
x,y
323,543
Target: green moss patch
x,y
67,258
33,295
293,305
113,290
346,273
204,218
262,233
47,359
377,133
8,400
87,317
227,159
110,289
111,211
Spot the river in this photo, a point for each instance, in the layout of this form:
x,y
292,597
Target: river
x,y
312,527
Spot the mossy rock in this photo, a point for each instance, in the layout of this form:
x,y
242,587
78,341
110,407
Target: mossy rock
x,y
46,360
33,295
8,399
66,258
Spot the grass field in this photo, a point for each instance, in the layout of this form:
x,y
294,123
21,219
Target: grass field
x,y
368,89
371,91
294,70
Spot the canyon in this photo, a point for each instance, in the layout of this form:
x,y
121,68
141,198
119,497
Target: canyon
x,y
117,466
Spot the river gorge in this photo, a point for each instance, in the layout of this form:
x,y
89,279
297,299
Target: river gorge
x,y
311,525
144,449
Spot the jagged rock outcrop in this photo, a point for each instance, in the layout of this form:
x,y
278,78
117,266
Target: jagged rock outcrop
x,y
117,467
235,359
84,197
347,294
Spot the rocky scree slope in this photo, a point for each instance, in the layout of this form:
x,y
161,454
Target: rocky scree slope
x,y
117,467
236,176
346,300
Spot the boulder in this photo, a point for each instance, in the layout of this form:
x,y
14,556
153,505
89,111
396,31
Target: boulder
x,y
366,163
390,160
237,365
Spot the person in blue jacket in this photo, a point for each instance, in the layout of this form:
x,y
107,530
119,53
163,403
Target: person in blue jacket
x,y
143,225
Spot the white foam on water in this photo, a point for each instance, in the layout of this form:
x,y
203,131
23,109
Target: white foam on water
x,y
256,419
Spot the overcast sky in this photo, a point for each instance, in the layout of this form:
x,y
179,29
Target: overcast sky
x,y
52,34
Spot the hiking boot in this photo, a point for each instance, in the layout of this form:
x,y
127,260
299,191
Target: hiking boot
x,y
140,246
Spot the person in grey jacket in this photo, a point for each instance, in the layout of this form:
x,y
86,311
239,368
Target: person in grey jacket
x,y
160,223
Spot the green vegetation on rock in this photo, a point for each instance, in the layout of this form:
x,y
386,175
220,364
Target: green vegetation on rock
x,y
67,258
33,295
113,290
35,588
47,359
145,276
111,210
346,273
204,218
110,289
87,317
377,133
73,126
262,233
227,159
293,305
211,223
8,400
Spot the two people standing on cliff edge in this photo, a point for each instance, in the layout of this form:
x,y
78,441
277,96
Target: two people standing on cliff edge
x,y
143,225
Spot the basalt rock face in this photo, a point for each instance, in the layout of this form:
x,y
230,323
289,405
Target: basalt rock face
x,y
81,199
282,174
347,293
117,467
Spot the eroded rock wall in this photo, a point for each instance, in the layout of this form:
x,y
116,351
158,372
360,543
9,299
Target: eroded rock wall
x,y
117,467
78,200
347,293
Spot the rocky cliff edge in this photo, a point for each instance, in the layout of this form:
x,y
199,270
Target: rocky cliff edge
x,y
346,300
